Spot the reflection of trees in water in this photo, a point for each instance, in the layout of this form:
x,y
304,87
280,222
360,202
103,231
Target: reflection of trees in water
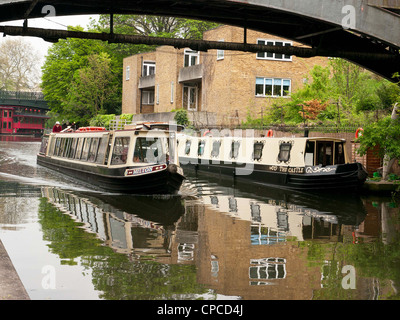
x,y
118,276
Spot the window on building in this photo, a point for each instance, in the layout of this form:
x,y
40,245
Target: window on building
x,y
149,68
192,57
220,53
127,74
273,87
273,56
189,100
147,97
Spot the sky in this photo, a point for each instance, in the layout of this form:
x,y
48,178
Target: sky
x,y
49,23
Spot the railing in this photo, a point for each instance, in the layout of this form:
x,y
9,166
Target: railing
x,y
118,124
21,95
296,129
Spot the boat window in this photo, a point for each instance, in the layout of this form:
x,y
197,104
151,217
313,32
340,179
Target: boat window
x,y
339,153
93,149
148,150
103,150
309,154
55,146
61,147
215,148
43,146
234,149
187,146
120,151
200,149
284,152
324,153
71,154
79,148
85,149
68,144
257,150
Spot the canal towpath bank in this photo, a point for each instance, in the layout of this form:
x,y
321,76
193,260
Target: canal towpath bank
x,y
11,287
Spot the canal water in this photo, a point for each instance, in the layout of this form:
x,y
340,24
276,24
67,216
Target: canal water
x,y
216,240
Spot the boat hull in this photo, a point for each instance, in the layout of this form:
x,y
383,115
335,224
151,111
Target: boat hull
x,y
165,181
338,177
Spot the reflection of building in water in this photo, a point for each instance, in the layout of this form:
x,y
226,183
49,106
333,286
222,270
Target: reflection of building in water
x,y
241,247
236,255
251,248
276,221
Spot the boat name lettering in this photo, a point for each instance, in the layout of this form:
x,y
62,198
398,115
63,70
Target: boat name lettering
x,y
286,169
319,169
138,171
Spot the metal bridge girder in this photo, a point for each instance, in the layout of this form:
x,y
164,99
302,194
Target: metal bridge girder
x,y
371,26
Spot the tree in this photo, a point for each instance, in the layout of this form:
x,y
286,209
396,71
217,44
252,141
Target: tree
x,y
68,66
384,133
156,26
312,108
92,88
18,65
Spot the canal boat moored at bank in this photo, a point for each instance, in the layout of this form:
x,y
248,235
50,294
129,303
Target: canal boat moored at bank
x,y
127,161
305,163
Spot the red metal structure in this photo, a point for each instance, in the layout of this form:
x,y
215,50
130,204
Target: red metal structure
x,y
22,113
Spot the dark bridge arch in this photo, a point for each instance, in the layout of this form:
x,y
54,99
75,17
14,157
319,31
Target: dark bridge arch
x,y
371,32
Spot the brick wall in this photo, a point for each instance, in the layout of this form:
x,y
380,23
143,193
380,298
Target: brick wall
x,y
227,87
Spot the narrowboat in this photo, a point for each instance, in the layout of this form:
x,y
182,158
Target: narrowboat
x,y
304,163
134,161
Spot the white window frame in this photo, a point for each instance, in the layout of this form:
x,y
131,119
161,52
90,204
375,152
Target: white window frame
x,y
127,73
172,92
273,82
187,103
191,53
273,56
220,53
147,66
147,97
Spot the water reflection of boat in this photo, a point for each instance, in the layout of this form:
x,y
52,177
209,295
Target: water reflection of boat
x,y
281,216
346,208
144,226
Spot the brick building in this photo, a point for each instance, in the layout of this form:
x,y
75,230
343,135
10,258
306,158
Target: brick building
x,y
225,85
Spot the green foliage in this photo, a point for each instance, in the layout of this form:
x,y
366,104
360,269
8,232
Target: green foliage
x,y
70,80
102,120
126,116
351,95
181,117
384,133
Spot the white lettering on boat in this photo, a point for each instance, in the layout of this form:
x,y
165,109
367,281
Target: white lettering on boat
x,y
144,170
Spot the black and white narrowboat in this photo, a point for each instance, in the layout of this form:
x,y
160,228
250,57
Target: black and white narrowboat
x,y
304,163
125,161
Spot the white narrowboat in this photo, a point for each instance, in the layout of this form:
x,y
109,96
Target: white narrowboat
x,y
124,161
304,163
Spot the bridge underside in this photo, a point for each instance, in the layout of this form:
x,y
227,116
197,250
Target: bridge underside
x,y
367,50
